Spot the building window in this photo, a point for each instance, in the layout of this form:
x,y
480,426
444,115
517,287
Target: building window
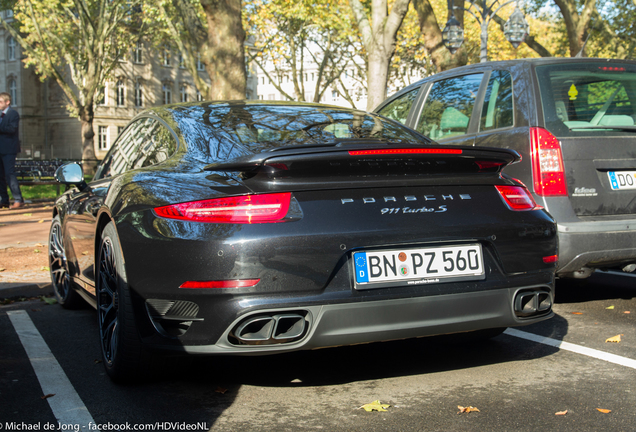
x,y
103,137
183,93
166,56
181,61
271,96
11,48
334,95
13,91
121,93
167,93
199,96
260,97
139,99
200,65
312,76
138,53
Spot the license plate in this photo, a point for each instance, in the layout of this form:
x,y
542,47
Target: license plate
x,y
378,269
622,179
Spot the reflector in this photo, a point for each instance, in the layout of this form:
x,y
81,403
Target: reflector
x,y
244,209
238,283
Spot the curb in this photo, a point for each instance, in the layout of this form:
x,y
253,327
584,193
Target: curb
x,y
26,289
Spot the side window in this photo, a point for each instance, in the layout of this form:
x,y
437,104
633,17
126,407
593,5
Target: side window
x,y
399,108
121,156
159,146
497,111
448,107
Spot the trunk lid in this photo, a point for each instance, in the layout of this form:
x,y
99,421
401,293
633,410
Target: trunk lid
x,y
590,107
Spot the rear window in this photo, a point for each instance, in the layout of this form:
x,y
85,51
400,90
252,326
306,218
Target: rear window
x,y
225,131
588,99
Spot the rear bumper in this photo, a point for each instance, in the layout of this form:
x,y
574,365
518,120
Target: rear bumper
x,y
595,244
375,321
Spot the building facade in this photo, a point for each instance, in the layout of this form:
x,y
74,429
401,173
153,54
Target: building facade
x,y
146,77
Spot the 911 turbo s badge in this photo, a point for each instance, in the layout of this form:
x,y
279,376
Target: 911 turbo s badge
x,y
409,199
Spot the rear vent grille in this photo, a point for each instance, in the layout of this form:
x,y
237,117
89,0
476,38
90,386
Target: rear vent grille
x,y
172,318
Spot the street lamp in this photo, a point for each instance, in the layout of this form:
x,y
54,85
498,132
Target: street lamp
x,y
515,29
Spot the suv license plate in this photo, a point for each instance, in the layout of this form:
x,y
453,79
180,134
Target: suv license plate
x,y
622,179
378,269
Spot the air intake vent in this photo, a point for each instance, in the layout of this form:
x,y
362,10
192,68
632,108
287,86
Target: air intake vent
x,y
172,318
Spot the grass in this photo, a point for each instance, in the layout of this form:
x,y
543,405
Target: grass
x,y
42,192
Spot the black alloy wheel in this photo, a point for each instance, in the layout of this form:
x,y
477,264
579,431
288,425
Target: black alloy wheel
x,y
58,265
124,357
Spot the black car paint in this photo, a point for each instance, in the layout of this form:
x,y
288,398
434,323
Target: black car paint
x,y
302,264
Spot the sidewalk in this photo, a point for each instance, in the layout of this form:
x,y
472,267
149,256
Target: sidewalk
x,y
24,250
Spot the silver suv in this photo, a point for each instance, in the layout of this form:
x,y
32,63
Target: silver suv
x,y
571,119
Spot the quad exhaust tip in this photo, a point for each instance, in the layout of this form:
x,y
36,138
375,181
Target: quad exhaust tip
x,y
529,304
270,329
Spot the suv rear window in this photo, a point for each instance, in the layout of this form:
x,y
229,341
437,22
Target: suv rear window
x,y
588,99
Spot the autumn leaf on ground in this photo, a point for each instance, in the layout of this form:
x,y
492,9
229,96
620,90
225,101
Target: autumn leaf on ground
x,y
36,251
39,245
2,269
375,406
41,221
27,214
616,338
561,412
610,307
467,409
220,390
48,300
97,361
85,253
47,396
627,312
45,269
577,313
604,411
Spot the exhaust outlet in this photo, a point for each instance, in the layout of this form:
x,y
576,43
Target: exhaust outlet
x,y
289,326
532,303
270,329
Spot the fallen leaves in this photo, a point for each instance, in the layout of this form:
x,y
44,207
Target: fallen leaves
x,y
577,313
45,268
36,251
27,214
41,221
610,307
47,396
615,339
220,389
467,409
561,413
48,300
374,406
604,411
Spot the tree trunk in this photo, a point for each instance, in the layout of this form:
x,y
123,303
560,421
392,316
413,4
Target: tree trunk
x,y
440,56
576,24
225,53
377,77
86,115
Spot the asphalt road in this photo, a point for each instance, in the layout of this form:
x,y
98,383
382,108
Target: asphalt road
x,y
516,383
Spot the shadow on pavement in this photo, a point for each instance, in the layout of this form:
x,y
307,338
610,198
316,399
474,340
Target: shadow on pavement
x,y
600,286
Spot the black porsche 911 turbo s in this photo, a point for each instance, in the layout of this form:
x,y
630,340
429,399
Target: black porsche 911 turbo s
x,y
250,228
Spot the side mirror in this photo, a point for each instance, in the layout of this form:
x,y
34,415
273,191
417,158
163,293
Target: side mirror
x,y
70,174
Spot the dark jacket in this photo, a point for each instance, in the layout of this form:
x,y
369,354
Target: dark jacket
x,y
9,131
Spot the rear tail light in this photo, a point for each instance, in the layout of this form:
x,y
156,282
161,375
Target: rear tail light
x,y
245,209
517,198
547,164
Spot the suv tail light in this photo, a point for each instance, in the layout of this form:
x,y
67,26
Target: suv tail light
x,y
547,164
517,198
245,209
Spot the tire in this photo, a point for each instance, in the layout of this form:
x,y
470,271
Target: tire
x,y
123,355
66,296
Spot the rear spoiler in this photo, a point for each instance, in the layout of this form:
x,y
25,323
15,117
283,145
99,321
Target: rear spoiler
x,y
371,155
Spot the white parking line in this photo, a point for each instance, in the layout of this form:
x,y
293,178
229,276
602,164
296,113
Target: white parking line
x,y
612,358
67,406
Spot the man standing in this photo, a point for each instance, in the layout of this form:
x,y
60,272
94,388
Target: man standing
x,y
9,149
